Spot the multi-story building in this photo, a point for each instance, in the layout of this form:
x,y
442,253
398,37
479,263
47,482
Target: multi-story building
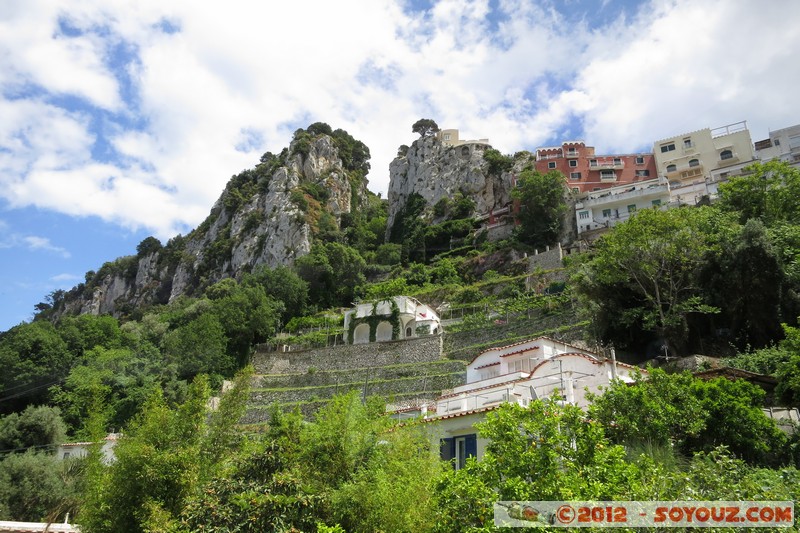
x,y
782,144
536,369
694,163
597,211
586,172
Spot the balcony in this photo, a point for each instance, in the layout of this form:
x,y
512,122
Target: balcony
x,y
684,173
624,196
606,164
545,157
572,154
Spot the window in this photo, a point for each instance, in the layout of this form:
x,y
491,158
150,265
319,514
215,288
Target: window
x,y
632,208
694,163
723,175
639,160
669,147
687,143
617,161
607,175
656,203
726,154
593,162
573,162
776,142
446,136
606,213
583,215
643,173
517,366
671,168
458,449
574,175
551,164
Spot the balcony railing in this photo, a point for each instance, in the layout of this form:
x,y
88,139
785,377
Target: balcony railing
x,y
606,165
653,190
686,172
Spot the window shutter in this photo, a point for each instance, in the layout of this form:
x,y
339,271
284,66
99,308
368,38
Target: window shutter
x,y
471,445
447,449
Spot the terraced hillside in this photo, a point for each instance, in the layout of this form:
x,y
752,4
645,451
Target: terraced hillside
x,y
399,371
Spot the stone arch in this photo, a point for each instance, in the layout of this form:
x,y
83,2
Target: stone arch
x,y
361,334
383,332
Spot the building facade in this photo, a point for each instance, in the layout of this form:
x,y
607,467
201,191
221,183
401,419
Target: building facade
x,y
587,172
782,144
399,317
595,212
521,373
695,163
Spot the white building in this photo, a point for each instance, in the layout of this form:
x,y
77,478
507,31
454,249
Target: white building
x,y
782,144
604,209
523,372
399,317
81,449
694,163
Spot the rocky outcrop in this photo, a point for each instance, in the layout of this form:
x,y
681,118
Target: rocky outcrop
x,y
265,216
435,170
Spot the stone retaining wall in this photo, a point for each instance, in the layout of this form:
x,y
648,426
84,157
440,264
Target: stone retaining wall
x,y
355,356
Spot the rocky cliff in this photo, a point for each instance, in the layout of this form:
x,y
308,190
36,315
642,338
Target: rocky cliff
x,y
268,215
436,171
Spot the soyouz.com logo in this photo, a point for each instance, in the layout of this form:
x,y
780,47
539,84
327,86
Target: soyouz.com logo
x,y
644,514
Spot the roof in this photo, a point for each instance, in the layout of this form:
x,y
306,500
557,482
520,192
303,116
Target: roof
x,y
524,342
26,527
462,413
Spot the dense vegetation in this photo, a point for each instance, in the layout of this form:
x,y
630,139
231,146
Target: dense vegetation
x,y
722,279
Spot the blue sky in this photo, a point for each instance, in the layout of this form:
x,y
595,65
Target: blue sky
x,y
120,120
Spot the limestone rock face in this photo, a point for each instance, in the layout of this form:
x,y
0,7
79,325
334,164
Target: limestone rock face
x,y
435,171
258,220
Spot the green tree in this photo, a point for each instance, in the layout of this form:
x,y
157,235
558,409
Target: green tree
x,y
33,357
37,487
543,452
164,458
692,414
651,262
498,163
425,127
769,191
745,281
199,347
284,285
333,272
541,207
35,427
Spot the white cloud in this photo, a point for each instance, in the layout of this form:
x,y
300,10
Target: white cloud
x,y
225,86
65,279
32,243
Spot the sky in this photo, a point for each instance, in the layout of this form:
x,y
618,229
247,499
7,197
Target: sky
x,y
124,119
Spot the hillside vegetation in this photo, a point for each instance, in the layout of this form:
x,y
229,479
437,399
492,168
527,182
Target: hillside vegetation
x,y
721,279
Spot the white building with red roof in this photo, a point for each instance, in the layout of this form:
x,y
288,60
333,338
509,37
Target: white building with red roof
x,y
523,372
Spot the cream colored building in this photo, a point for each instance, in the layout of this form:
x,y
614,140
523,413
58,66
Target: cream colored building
x,y
450,138
694,163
